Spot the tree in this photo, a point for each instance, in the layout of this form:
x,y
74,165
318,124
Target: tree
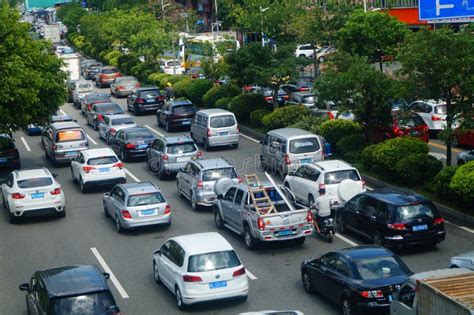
x,y
32,85
353,84
367,34
440,64
254,64
70,14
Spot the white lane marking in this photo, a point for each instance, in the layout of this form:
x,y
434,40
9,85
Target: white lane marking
x,y
132,176
461,227
369,188
62,112
154,130
345,239
250,275
91,140
25,144
106,268
251,139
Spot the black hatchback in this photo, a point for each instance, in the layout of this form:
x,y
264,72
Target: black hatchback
x,y
69,290
361,279
145,99
176,114
394,218
132,142
9,156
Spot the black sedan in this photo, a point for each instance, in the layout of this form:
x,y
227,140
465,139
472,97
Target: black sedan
x,y
132,142
9,155
392,217
360,279
145,99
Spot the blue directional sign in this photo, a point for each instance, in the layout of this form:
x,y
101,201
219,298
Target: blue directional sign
x,y
443,9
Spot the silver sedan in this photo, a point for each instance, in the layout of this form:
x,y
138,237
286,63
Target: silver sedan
x,y
465,260
109,125
135,205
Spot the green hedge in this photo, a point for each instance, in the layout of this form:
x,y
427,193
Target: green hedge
x,y
285,116
367,156
463,182
350,147
127,62
256,117
197,89
243,104
181,88
441,183
336,129
415,169
220,91
224,102
309,123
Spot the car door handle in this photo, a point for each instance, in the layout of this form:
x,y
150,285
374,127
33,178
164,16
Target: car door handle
x,y
373,217
357,212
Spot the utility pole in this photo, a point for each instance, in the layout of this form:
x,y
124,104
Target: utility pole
x,y
217,18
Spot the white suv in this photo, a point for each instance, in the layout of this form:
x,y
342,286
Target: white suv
x,y
333,178
433,114
97,167
304,50
32,192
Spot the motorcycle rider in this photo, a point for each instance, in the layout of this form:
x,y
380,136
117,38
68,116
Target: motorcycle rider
x,y
169,91
321,211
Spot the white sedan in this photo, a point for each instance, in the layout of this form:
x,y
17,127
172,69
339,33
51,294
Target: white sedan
x,y
97,167
199,268
32,192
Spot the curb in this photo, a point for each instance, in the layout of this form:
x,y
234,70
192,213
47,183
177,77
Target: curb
x,y
447,212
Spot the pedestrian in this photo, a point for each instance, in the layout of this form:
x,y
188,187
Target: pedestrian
x,y
169,91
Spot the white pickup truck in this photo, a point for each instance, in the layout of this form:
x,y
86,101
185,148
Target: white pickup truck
x,y
234,209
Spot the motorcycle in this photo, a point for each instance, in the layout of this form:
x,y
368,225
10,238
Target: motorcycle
x,y
324,227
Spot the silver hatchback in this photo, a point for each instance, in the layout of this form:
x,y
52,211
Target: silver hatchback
x,y
215,127
135,205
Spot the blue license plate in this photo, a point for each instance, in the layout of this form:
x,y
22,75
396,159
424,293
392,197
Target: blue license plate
x,y
306,161
142,146
70,153
148,212
104,169
150,101
420,227
224,133
285,232
187,122
37,195
3,160
390,298
217,284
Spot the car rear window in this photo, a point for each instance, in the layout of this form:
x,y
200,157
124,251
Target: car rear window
x,y
305,145
414,211
213,261
149,93
181,148
109,71
97,97
218,173
86,86
332,178
411,121
145,199
95,303
35,182
127,80
173,63
103,160
440,110
122,121
70,135
183,109
222,121
138,134
380,267
108,109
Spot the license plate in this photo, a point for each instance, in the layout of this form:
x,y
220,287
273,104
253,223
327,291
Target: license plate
x,y
148,212
285,232
187,122
37,195
3,160
306,161
182,159
142,146
414,133
150,101
390,298
217,284
104,169
70,153
420,227
224,133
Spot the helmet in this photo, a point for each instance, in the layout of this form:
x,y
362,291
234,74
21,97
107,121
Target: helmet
x,y
168,84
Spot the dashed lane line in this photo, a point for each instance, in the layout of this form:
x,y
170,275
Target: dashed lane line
x,y
154,130
250,275
25,144
345,239
91,140
249,138
132,176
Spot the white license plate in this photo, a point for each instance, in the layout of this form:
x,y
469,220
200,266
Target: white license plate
x,y
217,284
306,161
182,159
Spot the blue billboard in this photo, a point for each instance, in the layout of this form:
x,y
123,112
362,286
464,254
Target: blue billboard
x,y
445,9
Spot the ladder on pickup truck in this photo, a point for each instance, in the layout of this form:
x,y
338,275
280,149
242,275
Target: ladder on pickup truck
x,y
263,204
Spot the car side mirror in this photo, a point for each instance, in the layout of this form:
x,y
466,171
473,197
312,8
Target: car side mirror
x,y
24,287
107,195
54,175
158,252
106,275
220,196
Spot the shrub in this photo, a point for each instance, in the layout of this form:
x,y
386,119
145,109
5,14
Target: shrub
x,y
111,54
153,78
242,105
173,79
197,89
336,129
104,53
219,91
127,62
463,182
367,156
440,184
309,123
224,102
256,117
143,69
350,147
417,168
181,88
285,116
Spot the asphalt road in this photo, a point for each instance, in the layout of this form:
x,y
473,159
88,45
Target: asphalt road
x,y
85,236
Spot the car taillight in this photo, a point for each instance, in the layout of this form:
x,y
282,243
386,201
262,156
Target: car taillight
x,y
165,157
138,85
120,87
188,278
160,98
438,221
209,133
287,159
112,131
17,196
238,129
199,184
397,131
397,226
140,101
130,146
56,191
301,89
371,294
167,209
126,214
435,118
239,179
239,272
54,147
322,189
100,117
285,97
261,224
330,115
120,165
309,217
199,154
363,184
268,98
88,168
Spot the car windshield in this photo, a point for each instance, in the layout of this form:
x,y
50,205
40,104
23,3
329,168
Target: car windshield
x,y
380,267
70,135
218,173
67,51
35,182
149,93
97,97
138,134
440,110
213,261
109,71
305,145
181,148
308,99
103,160
100,303
411,121
127,81
122,121
145,199
85,86
332,178
94,67
183,109
222,121
408,212
108,109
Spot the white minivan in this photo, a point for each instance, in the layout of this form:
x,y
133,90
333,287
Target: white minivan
x,y
215,127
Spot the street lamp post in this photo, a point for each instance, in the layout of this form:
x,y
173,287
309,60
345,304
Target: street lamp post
x,y
217,18
163,6
261,23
